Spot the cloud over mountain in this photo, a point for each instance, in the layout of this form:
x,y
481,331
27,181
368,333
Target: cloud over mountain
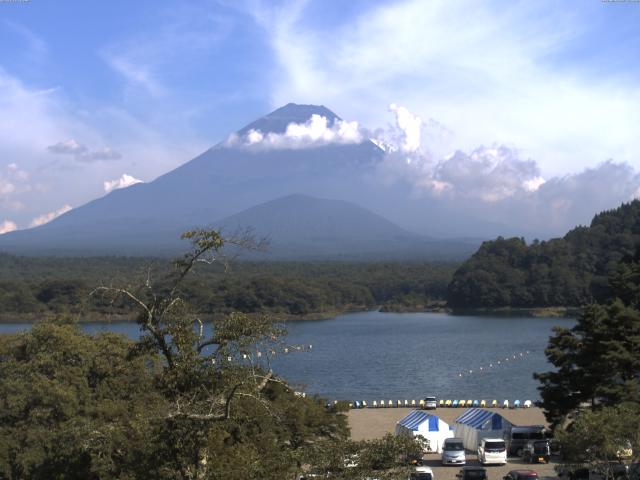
x,y
316,131
123,182
7,226
47,217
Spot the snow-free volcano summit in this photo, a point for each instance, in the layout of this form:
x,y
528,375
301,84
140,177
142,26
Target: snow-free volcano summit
x,y
284,175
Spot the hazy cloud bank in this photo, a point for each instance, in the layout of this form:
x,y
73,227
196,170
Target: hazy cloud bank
x,y
82,153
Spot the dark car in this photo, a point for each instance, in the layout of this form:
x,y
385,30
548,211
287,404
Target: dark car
x,y
472,473
521,475
536,451
601,471
518,436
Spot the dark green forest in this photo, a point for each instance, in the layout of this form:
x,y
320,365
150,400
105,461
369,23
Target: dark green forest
x,y
32,286
568,271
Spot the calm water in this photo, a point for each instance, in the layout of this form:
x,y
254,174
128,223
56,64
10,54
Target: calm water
x,y
375,355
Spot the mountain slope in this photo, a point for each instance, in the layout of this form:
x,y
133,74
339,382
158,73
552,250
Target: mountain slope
x,y
304,227
568,271
147,218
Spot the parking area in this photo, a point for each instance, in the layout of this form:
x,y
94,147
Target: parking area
x,y
367,424
494,472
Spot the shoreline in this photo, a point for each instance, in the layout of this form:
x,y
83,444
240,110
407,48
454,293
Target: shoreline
x,y
537,312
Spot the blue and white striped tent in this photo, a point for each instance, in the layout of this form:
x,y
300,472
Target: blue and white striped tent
x,y
431,427
478,423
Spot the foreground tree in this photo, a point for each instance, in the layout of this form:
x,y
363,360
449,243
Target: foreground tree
x,y
598,360
75,406
192,399
599,439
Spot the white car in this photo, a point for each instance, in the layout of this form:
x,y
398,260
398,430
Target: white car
x,y
430,403
492,450
422,473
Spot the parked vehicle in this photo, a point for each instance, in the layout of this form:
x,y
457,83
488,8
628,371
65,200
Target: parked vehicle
x,y
472,473
517,437
603,471
536,451
453,452
492,450
422,473
430,403
521,475
634,471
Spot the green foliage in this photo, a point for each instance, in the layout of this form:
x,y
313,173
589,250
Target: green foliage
x,y
568,271
189,400
599,439
74,406
382,458
602,435
35,286
598,360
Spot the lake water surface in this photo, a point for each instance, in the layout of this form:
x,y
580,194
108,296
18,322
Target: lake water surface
x,y
376,355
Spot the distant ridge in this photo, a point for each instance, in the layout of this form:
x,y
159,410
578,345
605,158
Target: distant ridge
x,y
231,183
304,227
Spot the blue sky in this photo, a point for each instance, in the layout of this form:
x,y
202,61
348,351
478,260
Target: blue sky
x,y
90,91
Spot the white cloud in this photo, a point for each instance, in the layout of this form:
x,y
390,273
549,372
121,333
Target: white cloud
x,y
123,182
70,147
47,217
13,181
81,153
143,60
7,226
488,71
410,125
315,132
135,72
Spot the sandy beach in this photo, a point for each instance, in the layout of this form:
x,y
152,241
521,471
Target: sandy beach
x,y
368,424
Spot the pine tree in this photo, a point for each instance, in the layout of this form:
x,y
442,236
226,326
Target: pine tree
x,y
598,360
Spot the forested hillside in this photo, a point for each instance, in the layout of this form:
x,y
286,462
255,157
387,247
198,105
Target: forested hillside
x,y
32,286
568,271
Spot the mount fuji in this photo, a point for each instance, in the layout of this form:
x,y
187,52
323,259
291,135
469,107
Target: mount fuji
x,y
320,201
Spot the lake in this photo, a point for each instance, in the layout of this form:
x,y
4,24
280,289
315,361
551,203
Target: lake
x,y
379,355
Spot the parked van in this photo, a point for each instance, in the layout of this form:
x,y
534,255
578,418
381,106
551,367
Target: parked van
x,y
492,450
518,437
453,452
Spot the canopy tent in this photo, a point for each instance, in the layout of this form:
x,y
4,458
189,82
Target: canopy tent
x,y
431,427
476,424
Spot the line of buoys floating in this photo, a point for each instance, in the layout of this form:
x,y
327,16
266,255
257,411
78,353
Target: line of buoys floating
x,y
448,403
495,364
